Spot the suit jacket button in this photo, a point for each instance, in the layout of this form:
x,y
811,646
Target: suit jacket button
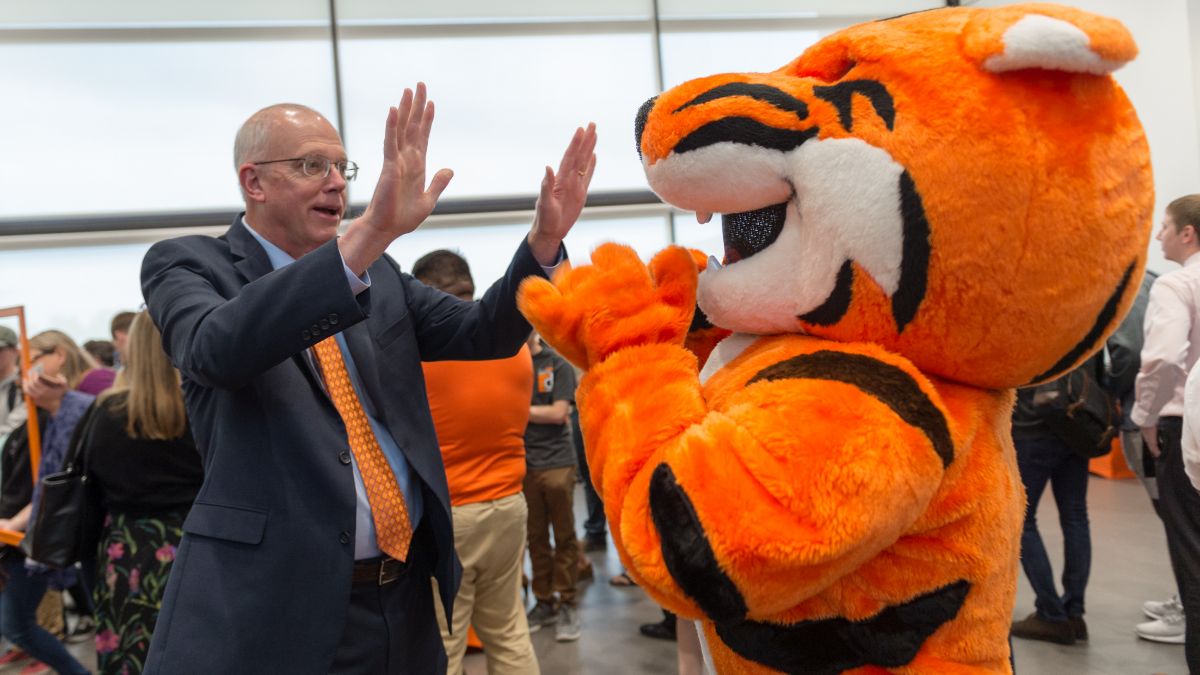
x,y
316,330
333,319
324,324
344,457
344,537
305,335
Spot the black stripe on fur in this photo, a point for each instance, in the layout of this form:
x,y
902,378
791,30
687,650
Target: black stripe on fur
x,y
892,386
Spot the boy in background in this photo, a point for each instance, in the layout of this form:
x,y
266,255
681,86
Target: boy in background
x,y
550,494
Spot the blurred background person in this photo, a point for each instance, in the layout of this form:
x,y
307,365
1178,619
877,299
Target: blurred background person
x,y
141,457
54,348
58,366
480,410
119,328
550,493
1044,458
100,350
12,401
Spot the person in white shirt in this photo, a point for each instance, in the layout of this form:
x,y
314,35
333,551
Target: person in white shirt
x,y
1171,348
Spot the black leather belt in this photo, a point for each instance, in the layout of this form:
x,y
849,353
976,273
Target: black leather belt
x,y
378,571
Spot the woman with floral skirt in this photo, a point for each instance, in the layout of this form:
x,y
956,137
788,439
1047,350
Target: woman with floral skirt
x,y
140,456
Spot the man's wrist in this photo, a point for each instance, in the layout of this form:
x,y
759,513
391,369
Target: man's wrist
x,y
361,246
545,248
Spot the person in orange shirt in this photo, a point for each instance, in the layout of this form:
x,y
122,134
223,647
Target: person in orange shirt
x,y
480,410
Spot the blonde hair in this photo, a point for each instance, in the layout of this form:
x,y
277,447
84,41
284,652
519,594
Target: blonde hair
x,y
77,363
148,389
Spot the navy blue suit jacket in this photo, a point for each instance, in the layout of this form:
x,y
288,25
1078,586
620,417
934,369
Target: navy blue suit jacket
x,y
261,581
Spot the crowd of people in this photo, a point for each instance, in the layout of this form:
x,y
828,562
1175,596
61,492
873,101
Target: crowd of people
x,y
1144,368
504,431
129,427
261,457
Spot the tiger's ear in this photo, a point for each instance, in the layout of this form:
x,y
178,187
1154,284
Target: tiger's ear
x,y
1047,37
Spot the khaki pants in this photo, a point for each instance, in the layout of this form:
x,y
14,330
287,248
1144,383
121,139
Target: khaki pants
x,y
490,540
551,497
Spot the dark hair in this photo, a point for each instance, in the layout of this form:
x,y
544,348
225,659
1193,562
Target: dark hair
x,y
101,350
441,268
121,322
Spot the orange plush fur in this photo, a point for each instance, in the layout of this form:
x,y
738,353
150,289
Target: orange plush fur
x,y
964,202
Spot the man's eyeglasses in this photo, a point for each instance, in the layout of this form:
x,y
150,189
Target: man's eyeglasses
x,y
316,165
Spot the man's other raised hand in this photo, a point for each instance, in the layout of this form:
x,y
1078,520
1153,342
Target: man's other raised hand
x,y
563,195
402,201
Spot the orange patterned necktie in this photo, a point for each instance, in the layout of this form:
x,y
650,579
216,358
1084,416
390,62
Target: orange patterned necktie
x,y
388,508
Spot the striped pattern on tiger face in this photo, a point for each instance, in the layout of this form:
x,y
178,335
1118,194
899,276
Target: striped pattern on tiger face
x,y
957,216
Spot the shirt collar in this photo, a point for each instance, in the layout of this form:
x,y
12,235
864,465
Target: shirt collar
x,y
278,257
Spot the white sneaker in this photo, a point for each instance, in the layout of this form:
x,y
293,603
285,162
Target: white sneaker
x,y
1169,629
567,628
1157,609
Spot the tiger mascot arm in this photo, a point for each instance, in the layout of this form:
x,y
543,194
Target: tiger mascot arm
x,y
748,503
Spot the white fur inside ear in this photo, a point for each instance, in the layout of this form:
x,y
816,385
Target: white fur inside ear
x,y
1038,41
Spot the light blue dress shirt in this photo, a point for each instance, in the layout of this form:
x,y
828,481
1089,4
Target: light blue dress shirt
x,y
365,543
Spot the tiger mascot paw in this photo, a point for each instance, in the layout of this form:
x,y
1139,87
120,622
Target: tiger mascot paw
x,y
616,302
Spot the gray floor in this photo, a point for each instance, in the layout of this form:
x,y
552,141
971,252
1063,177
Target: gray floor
x,y
1129,565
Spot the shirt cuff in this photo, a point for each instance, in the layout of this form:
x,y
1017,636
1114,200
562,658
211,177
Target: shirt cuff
x,y
1142,418
357,284
562,257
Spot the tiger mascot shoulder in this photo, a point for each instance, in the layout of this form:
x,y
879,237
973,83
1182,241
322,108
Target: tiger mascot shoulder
x,y
920,214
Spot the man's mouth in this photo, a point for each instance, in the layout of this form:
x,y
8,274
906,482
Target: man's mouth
x,y
328,212
749,232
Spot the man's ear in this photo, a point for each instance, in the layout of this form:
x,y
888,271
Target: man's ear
x,y
250,180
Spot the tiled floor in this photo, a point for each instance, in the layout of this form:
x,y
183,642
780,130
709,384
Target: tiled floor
x,y
1129,565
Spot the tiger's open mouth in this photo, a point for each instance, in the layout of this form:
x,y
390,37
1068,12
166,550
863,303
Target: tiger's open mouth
x,y
749,232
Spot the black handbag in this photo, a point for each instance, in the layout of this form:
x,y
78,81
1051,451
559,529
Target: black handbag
x,y
68,523
1079,411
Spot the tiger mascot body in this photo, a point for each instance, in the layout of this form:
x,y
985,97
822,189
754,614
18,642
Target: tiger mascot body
x,y
922,213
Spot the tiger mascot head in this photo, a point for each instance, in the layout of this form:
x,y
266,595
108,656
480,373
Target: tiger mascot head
x,y
966,187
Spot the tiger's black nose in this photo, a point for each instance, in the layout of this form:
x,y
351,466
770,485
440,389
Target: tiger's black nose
x,y
639,124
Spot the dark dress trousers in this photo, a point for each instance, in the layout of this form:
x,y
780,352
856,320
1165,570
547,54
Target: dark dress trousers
x,y
262,579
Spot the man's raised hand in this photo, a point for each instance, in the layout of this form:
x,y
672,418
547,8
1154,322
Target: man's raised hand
x,y
401,201
563,195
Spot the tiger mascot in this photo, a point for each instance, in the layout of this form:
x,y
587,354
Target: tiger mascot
x,y
920,214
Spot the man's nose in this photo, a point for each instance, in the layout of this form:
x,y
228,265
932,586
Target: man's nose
x,y
335,181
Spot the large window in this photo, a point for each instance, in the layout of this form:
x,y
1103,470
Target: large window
x,y
127,108
506,105
141,126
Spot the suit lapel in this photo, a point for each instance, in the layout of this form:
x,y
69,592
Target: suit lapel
x,y
249,258
251,261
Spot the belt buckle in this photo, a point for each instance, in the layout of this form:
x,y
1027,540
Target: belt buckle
x,y
386,576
